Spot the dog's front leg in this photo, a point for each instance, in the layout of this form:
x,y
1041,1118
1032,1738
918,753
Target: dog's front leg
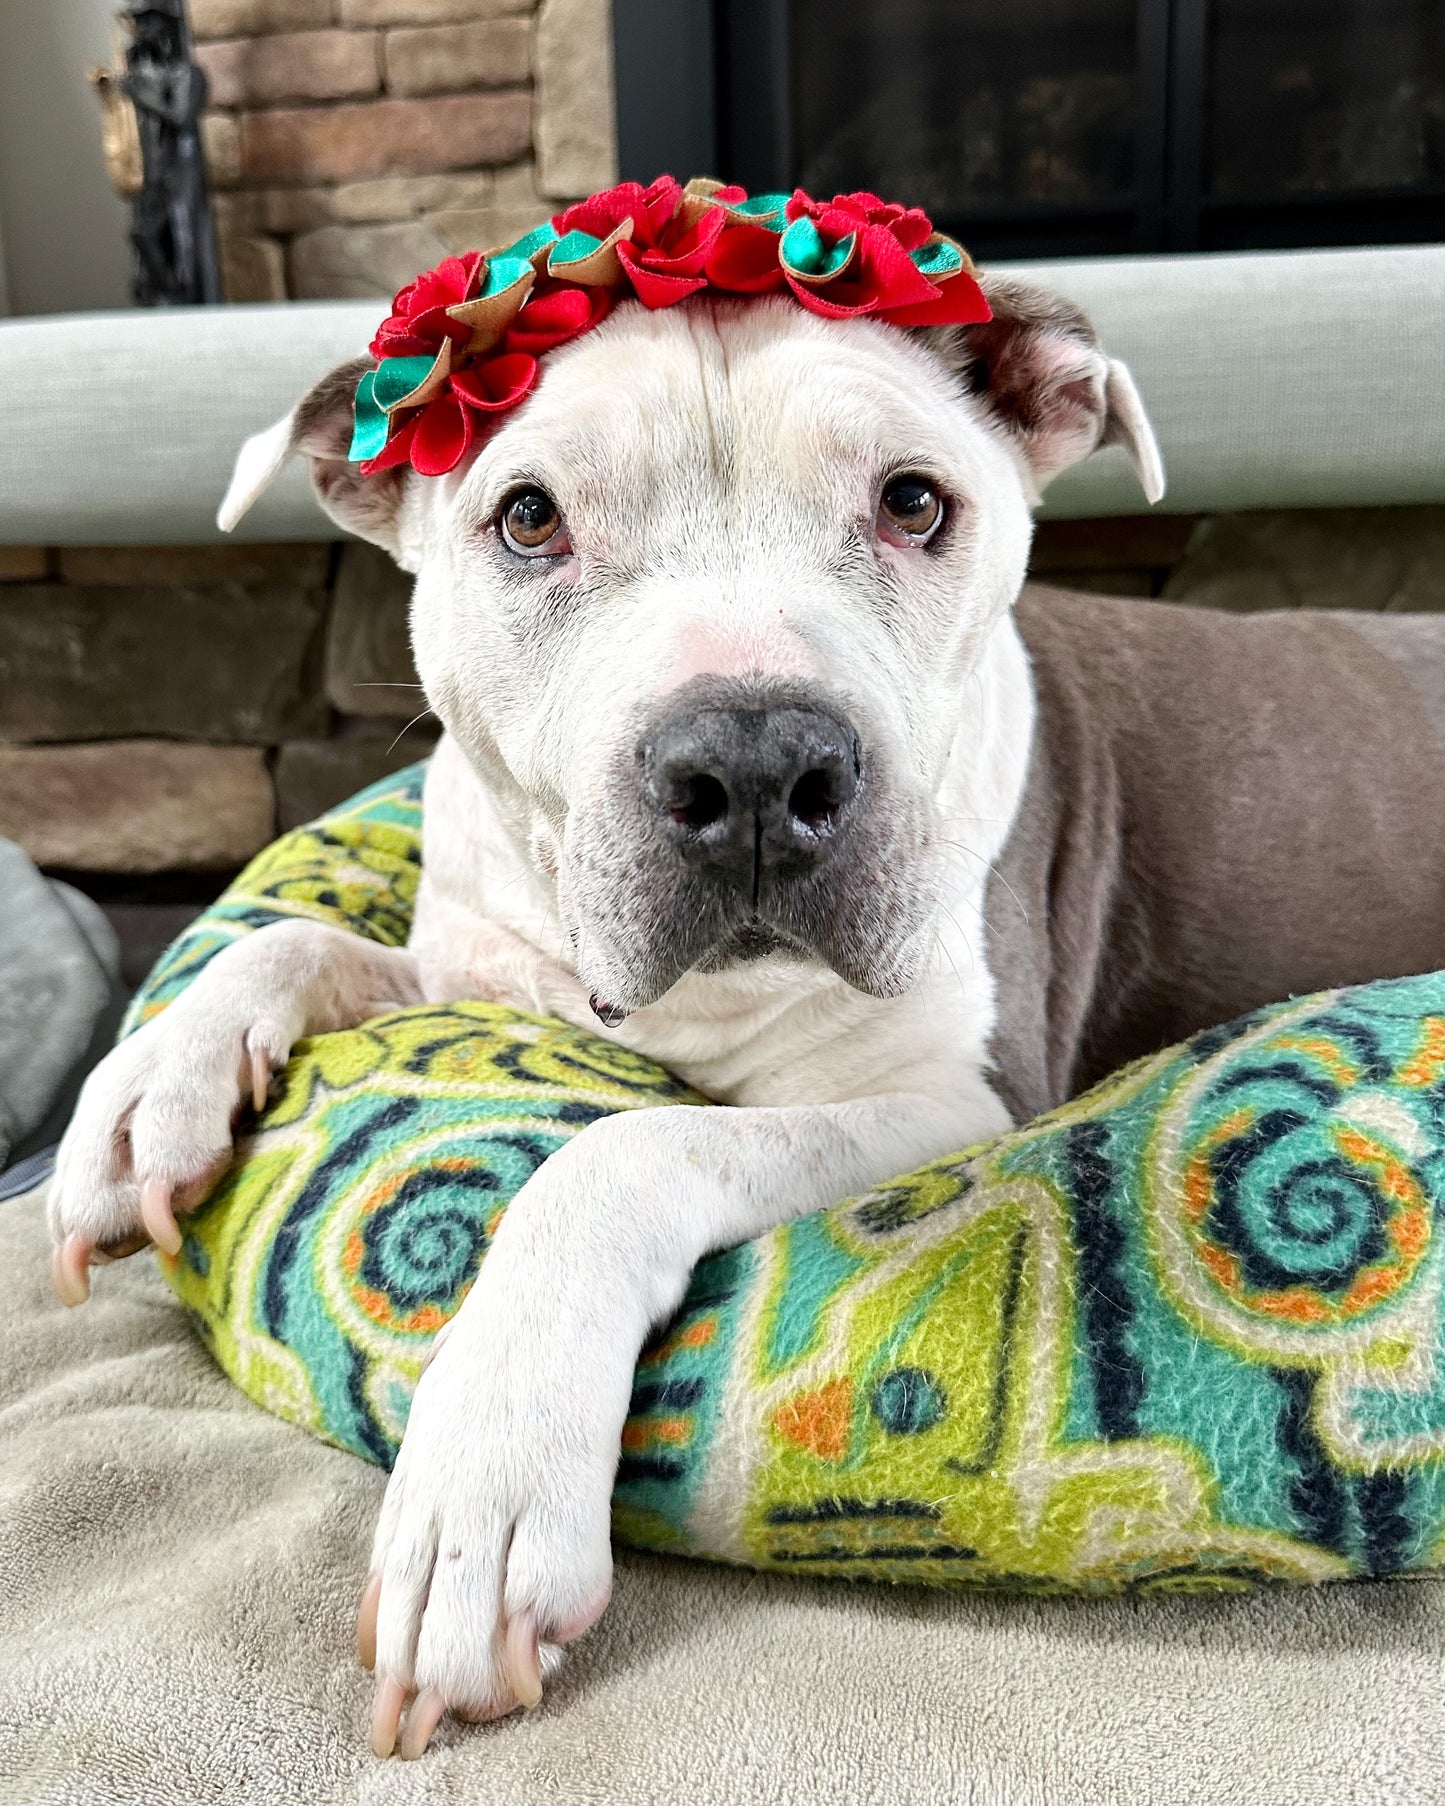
x,y
494,1543
152,1127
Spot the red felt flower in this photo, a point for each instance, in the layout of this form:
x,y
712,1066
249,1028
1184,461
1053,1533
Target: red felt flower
x,y
845,213
961,302
397,450
433,441
744,260
673,268
435,437
444,432
497,383
418,320
555,312
881,276
649,209
666,250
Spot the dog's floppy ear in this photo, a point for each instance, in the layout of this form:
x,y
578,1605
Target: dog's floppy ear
x,y
319,429
1039,366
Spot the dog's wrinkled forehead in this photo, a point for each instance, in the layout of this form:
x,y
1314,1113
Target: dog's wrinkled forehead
x,y
734,407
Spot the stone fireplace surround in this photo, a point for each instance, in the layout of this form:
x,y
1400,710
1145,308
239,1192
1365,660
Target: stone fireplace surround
x,y
351,143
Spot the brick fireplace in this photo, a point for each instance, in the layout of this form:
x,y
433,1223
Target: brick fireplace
x,y
351,143
165,710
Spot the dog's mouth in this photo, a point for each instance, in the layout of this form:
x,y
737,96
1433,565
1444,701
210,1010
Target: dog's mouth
x,y
633,970
746,945
752,941
872,929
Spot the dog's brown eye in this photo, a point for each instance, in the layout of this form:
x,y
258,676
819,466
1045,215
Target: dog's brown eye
x,y
910,508
531,521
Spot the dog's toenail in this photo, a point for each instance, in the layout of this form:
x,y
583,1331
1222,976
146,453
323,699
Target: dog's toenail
x,y
158,1217
423,1718
391,1698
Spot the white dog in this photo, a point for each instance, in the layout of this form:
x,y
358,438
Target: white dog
x,y
747,766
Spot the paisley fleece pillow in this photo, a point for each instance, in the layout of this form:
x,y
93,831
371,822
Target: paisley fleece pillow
x,y
1184,1332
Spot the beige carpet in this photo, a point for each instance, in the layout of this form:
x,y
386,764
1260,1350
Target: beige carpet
x,y
178,1574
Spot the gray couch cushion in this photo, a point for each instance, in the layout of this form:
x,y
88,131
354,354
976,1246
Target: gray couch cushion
x,y
1285,380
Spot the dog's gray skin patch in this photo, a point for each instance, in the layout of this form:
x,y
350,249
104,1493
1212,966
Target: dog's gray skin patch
x,y
1221,811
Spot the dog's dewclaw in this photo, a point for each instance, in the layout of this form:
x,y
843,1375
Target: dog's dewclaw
x,y
70,1270
158,1217
260,1078
366,1623
423,1718
524,1669
391,1697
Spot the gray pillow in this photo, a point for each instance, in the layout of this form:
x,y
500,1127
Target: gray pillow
x,y
59,981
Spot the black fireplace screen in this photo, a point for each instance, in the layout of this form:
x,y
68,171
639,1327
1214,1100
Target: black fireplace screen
x,y
1016,115
1040,127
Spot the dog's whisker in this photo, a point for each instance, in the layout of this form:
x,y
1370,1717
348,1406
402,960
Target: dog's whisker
x,y
993,870
938,942
407,729
976,907
983,919
962,933
967,943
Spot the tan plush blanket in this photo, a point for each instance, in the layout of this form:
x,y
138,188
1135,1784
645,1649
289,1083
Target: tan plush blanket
x,y
178,1573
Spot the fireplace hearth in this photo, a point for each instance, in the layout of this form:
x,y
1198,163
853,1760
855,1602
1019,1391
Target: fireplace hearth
x,y
1059,127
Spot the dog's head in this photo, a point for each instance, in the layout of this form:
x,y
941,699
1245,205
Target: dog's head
x,y
703,611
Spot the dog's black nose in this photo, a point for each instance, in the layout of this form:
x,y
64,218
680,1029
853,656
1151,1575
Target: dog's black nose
x,y
751,791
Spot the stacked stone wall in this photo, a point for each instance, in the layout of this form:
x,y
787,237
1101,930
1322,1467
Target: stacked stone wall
x,y
168,709
352,143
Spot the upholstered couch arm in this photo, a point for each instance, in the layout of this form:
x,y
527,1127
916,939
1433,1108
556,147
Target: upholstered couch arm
x,y
1277,380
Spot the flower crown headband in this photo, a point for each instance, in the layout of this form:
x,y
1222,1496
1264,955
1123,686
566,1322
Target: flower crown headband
x,y
461,344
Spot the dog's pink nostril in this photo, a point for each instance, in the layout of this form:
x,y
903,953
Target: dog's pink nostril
x,y
610,1015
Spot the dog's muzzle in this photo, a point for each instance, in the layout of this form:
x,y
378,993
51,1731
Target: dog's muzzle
x,y
750,819
751,796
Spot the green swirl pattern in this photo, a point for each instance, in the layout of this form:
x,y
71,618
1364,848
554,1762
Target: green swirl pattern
x,y
1186,1331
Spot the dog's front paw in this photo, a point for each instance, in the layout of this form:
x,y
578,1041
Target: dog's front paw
x,y
152,1129
493,1548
